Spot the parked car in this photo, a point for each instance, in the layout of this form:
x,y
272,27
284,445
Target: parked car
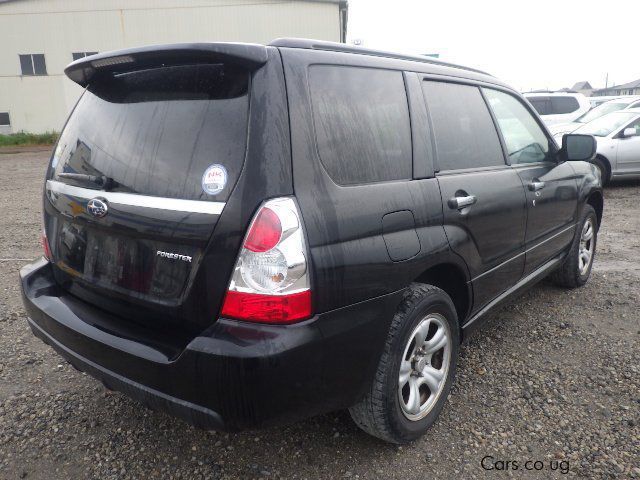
x,y
595,101
604,108
559,107
245,235
618,137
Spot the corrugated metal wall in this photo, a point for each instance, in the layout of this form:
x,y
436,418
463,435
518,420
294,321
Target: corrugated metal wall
x,y
59,27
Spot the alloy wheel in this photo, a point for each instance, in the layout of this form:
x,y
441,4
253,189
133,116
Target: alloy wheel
x,y
585,250
424,366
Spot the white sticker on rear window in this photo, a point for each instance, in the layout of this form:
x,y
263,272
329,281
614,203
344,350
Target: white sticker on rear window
x,y
214,179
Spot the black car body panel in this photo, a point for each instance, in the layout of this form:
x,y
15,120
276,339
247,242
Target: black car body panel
x,y
234,375
134,297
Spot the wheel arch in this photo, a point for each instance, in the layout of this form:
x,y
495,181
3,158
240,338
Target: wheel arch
x,y
596,200
607,165
452,279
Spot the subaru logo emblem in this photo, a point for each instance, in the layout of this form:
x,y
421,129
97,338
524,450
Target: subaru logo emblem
x,y
96,207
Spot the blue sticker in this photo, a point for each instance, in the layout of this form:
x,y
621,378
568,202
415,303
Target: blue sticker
x,y
214,179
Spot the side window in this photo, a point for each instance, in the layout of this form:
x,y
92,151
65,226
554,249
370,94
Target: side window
x,y
635,124
525,140
4,119
464,131
541,104
561,105
361,118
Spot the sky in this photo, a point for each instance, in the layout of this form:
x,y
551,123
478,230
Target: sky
x,y
529,45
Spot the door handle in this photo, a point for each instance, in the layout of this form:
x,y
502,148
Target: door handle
x,y
536,185
458,203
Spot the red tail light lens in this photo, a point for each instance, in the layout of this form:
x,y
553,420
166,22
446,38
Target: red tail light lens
x,y
270,282
265,232
274,309
45,245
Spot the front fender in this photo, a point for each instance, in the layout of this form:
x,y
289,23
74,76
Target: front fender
x,y
589,186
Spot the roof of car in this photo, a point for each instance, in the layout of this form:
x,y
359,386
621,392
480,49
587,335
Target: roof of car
x,y
342,47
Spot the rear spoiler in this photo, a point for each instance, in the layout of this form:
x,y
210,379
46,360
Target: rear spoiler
x,y
245,55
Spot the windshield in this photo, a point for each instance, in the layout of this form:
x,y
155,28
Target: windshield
x,y
601,110
603,126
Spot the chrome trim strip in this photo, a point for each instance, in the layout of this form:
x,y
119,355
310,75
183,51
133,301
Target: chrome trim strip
x,y
134,200
539,244
536,274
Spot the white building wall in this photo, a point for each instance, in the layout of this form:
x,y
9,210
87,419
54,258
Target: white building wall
x,y
59,27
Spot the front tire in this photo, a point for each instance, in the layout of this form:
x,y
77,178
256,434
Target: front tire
x,y
416,369
576,269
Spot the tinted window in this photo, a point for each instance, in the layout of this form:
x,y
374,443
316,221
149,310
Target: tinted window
x,y
561,105
156,132
464,131
4,118
362,124
26,65
524,139
39,66
541,104
33,64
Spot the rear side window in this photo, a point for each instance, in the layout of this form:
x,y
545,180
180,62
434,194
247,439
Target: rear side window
x,y
464,131
156,131
361,118
561,105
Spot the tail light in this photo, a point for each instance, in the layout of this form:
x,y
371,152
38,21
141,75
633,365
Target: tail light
x,y
44,241
270,282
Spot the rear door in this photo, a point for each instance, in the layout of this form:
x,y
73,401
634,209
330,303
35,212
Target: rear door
x,y
551,188
482,197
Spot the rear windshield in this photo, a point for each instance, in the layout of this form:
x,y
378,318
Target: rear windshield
x,y
156,132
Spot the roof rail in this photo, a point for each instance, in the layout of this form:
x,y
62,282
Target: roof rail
x,y
341,47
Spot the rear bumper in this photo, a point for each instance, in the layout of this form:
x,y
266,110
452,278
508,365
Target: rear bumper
x,y
235,375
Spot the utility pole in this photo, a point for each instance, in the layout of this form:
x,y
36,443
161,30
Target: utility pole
x,y
606,81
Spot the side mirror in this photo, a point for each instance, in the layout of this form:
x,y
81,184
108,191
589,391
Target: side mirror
x,y
578,148
629,132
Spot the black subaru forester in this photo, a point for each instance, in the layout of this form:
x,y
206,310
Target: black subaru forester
x,y
246,235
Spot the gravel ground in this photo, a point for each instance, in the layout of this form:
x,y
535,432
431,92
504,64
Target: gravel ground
x,y
554,377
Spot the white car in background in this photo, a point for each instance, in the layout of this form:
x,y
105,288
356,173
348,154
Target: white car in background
x,y
595,101
558,107
620,103
618,137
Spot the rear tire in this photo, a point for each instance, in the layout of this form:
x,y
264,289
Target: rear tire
x,y
416,369
576,269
